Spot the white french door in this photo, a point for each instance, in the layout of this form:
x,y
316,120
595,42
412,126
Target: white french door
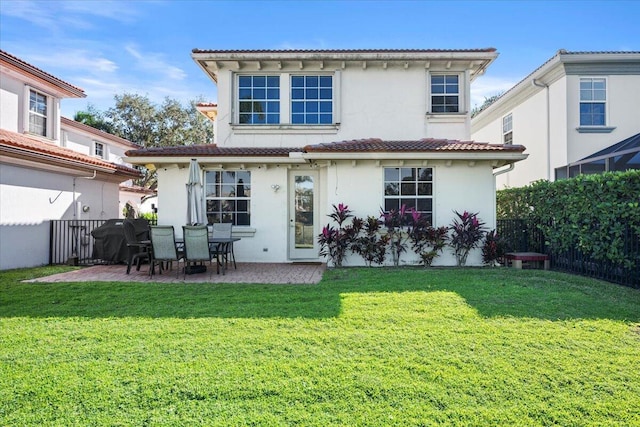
x,y
303,215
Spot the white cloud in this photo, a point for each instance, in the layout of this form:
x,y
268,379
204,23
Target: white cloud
x,y
155,63
485,87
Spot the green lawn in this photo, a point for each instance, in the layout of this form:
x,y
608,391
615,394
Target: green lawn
x,y
365,347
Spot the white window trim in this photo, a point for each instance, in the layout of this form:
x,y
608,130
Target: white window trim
x,y
507,131
51,113
606,128
285,124
237,230
462,93
433,188
105,150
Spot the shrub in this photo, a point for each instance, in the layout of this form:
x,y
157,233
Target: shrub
x,y
369,243
493,248
336,241
466,233
396,222
427,241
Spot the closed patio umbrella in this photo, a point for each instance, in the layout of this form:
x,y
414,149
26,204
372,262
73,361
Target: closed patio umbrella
x,y
195,208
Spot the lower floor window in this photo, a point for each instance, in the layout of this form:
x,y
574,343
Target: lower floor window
x,y
228,196
411,187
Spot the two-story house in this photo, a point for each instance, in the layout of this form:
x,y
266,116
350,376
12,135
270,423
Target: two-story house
x,y
299,131
579,112
50,167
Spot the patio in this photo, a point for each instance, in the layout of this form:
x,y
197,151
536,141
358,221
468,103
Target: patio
x,y
274,273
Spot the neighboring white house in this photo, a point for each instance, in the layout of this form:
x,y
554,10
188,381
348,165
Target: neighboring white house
x,y
301,130
50,167
570,113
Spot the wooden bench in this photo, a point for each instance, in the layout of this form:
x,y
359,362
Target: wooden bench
x,y
516,258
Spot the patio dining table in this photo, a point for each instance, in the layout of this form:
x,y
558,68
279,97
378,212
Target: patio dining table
x,y
219,245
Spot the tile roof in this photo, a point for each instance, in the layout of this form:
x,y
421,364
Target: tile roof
x,y
212,150
25,66
371,145
29,145
488,49
421,145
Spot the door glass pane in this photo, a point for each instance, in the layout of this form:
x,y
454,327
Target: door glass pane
x,y
304,193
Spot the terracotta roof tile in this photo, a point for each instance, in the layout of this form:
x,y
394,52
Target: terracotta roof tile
x,y
489,49
27,144
421,145
17,62
212,150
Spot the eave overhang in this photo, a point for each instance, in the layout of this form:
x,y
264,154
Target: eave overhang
x,y
213,61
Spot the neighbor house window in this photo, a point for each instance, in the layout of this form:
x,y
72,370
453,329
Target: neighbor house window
x,y
228,196
411,187
445,93
311,100
98,149
259,99
38,113
507,129
593,101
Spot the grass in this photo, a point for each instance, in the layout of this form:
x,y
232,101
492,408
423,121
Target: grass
x,y
365,347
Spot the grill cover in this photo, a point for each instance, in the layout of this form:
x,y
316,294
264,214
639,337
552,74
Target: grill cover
x,y
109,242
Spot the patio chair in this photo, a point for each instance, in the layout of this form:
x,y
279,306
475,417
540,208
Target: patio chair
x,y
196,246
163,244
223,231
138,250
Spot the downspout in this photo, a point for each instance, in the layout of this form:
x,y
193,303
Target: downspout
x,y
75,230
539,84
505,170
75,207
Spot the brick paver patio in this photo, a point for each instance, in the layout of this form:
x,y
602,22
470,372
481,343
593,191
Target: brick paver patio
x,y
246,273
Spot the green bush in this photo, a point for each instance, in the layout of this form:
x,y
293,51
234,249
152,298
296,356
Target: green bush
x,y
592,213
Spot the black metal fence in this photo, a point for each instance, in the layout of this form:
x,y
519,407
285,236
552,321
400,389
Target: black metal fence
x,y
523,236
71,242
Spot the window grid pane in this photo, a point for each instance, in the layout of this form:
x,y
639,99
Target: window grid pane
x,y
37,113
593,97
259,99
312,99
445,94
228,197
412,187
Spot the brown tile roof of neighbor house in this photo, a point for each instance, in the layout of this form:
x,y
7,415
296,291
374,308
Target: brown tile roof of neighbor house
x,y
18,145
377,145
212,150
17,63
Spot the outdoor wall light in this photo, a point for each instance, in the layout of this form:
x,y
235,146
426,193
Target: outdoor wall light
x,y
85,209
275,187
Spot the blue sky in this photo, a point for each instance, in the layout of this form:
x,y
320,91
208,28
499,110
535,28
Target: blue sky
x,y
144,47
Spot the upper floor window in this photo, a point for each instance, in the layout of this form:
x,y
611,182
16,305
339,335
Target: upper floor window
x,y
259,99
507,129
311,100
593,101
38,113
228,197
445,93
411,187
98,149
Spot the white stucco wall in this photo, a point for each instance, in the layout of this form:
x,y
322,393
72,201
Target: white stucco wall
x,y
456,187
623,113
11,95
29,198
369,102
567,144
